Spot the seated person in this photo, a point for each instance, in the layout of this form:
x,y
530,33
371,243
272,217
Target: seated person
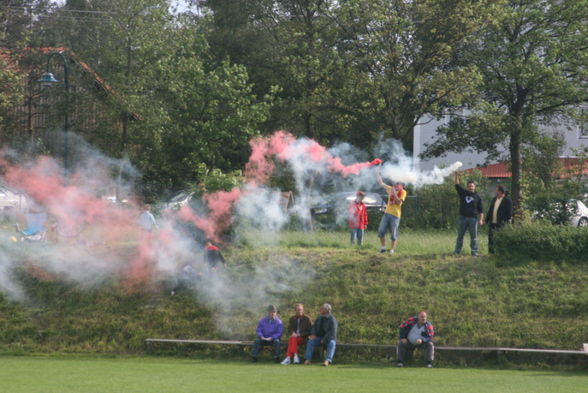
x,y
269,332
324,331
416,332
299,329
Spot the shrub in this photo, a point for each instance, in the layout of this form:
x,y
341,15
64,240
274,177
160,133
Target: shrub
x,y
541,241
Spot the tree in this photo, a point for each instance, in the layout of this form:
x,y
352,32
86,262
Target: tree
x,y
11,93
534,62
408,52
209,114
292,44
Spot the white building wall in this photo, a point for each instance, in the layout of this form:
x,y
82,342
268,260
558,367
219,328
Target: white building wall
x,y
425,133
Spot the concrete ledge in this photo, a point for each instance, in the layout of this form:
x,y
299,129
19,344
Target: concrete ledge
x,y
382,346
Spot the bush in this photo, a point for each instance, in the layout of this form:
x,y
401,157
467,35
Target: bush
x,y
541,241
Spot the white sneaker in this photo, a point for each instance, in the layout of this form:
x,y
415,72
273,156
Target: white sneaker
x,y
382,249
296,359
392,251
286,361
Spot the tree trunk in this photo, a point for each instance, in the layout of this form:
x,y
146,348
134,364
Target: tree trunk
x,y
515,157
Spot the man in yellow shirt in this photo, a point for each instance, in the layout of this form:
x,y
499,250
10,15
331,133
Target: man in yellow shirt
x,y
391,218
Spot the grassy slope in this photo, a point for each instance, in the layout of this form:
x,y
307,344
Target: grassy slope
x,y
129,375
470,301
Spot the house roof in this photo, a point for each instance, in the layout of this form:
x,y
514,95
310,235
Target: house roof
x,y
570,166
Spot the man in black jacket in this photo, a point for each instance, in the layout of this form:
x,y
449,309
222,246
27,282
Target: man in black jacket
x,y
499,213
471,213
324,331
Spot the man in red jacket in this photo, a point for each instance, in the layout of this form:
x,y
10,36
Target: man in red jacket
x,y
358,219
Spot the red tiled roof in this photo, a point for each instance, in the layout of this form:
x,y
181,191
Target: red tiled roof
x,y
493,171
570,166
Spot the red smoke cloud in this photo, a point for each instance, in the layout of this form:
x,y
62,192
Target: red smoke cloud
x,y
281,146
76,206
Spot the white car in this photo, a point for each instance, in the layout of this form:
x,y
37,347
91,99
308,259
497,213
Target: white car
x,y
10,199
580,218
577,213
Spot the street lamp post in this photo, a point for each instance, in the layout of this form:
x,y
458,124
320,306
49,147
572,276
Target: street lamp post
x,y
47,79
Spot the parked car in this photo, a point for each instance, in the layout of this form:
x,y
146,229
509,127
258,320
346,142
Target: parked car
x,y
576,215
10,199
337,203
178,201
580,218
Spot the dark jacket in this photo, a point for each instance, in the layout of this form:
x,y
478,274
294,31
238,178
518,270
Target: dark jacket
x,y
405,327
305,325
504,214
325,327
470,203
213,256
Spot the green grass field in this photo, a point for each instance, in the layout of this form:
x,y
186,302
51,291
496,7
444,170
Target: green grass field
x,y
25,374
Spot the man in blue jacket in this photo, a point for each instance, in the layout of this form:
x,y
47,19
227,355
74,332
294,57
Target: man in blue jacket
x,y
269,332
416,332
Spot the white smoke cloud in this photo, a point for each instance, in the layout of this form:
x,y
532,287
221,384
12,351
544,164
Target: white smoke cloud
x,y
91,241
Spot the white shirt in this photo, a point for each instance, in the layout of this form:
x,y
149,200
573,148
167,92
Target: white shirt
x,y
147,221
416,333
495,211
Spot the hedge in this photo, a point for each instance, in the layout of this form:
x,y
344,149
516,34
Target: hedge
x,y
541,241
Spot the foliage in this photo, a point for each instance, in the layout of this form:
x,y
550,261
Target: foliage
x,y
542,163
532,71
11,86
213,180
543,242
405,54
210,123
340,77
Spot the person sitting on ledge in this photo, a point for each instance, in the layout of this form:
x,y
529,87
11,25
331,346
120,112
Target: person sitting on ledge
x,y
324,331
416,332
269,332
299,329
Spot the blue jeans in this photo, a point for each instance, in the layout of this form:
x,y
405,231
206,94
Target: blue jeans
x,y
356,234
331,345
470,224
258,343
391,222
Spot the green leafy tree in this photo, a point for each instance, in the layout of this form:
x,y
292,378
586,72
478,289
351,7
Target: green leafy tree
x,y
408,54
534,66
209,114
293,45
11,93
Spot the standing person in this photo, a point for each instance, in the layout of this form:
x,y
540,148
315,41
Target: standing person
x,y
147,220
358,219
213,256
416,332
499,213
324,331
269,331
471,213
391,218
299,327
